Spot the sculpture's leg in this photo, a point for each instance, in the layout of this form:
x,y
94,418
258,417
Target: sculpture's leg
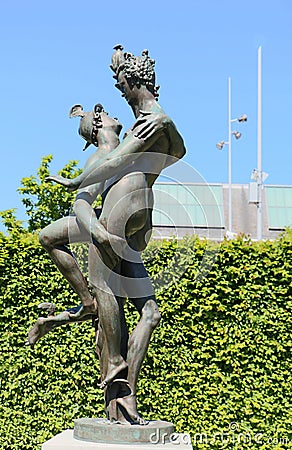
x,y
54,238
141,335
110,404
140,339
115,390
109,316
124,328
44,325
112,391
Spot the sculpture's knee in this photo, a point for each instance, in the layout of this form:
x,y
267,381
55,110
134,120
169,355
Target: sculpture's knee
x,y
151,314
45,239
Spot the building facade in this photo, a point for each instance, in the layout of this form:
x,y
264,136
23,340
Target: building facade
x,y
199,208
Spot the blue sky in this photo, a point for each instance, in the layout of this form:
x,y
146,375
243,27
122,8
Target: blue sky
x,y
56,54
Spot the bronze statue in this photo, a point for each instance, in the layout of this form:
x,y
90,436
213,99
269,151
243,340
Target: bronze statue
x,y
125,173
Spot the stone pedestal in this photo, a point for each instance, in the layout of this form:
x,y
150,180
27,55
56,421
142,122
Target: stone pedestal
x,y
99,434
66,441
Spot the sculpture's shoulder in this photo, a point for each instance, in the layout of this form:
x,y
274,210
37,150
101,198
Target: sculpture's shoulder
x,y
176,143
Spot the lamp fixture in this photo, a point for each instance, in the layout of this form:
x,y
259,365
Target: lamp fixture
x,y
220,145
236,134
243,118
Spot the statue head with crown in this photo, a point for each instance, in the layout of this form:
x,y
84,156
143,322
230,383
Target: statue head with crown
x,y
133,72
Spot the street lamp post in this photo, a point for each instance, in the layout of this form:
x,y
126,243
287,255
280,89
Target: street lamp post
x,y
229,158
220,146
257,174
260,177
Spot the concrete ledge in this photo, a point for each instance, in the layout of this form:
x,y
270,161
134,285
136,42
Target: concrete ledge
x,y
66,441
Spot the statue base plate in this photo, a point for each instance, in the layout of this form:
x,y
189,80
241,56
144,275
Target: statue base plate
x,y
104,431
66,441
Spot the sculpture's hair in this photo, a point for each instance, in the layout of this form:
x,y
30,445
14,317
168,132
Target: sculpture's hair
x,y
138,70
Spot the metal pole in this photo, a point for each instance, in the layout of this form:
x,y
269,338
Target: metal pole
x,y
260,175
229,158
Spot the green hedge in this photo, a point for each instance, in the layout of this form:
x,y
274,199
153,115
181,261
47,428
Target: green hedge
x,y
220,359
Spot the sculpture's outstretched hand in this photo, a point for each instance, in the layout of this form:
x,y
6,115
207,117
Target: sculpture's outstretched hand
x,y
70,185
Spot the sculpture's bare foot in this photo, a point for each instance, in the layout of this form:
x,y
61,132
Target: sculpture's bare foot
x,y
85,310
48,307
43,326
113,371
129,403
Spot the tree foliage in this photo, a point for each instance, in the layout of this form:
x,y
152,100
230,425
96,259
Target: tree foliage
x,y
44,201
13,226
